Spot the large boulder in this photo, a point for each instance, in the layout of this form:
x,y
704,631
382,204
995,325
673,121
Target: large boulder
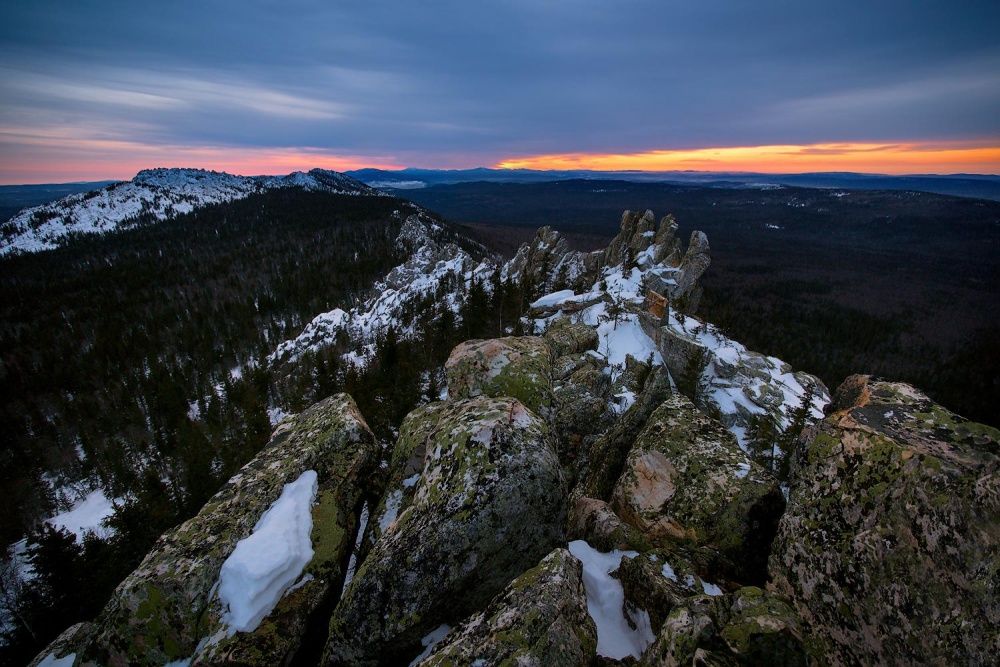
x,y
167,606
540,619
687,480
594,522
568,337
519,367
490,503
889,545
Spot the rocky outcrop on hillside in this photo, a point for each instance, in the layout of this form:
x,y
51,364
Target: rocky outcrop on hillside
x,y
548,265
168,609
567,503
433,266
489,504
889,545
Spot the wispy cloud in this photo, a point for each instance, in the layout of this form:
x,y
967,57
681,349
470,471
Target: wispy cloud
x,y
465,84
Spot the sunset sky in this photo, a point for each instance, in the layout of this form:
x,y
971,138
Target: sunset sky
x,y
100,90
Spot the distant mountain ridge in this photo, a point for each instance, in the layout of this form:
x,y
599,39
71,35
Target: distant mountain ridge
x,y
153,195
980,186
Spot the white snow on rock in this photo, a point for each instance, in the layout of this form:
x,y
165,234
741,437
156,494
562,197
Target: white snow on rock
x,y
266,564
160,193
736,383
52,661
432,639
605,604
87,514
740,383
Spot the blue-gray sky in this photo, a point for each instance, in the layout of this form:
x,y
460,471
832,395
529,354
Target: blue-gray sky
x,y
114,85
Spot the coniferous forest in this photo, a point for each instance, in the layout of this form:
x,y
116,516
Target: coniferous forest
x,y
133,360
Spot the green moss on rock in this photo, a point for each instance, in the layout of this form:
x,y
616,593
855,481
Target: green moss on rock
x,y
890,540
517,367
164,608
489,504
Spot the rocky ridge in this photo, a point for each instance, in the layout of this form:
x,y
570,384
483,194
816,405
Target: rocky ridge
x,y
160,193
433,266
567,504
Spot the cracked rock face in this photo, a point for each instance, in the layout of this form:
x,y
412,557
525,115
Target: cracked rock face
x,y
164,608
490,503
687,480
540,619
748,627
889,546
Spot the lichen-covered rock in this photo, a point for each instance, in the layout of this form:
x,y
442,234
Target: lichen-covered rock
x,y
490,503
405,469
581,412
594,522
540,619
748,627
581,415
163,610
646,587
690,636
565,366
516,367
687,480
567,337
763,628
889,545
606,459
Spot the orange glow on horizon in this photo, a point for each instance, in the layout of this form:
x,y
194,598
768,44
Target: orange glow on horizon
x,y
897,159
56,156
57,159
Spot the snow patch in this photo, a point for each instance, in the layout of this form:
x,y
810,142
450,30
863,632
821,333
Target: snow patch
x,y
87,514
52,661
432,639
605,604
268,562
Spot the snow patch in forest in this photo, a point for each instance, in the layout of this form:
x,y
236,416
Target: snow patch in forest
x,y
87,514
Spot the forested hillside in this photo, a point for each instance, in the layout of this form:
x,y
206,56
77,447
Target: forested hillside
x,y
133,361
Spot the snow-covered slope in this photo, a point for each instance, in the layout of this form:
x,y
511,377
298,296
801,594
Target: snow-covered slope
x,y
433,267
160,193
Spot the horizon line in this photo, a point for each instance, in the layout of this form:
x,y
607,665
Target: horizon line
x,y
652,172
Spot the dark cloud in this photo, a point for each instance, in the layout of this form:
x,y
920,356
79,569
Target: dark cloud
x,y
501,78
